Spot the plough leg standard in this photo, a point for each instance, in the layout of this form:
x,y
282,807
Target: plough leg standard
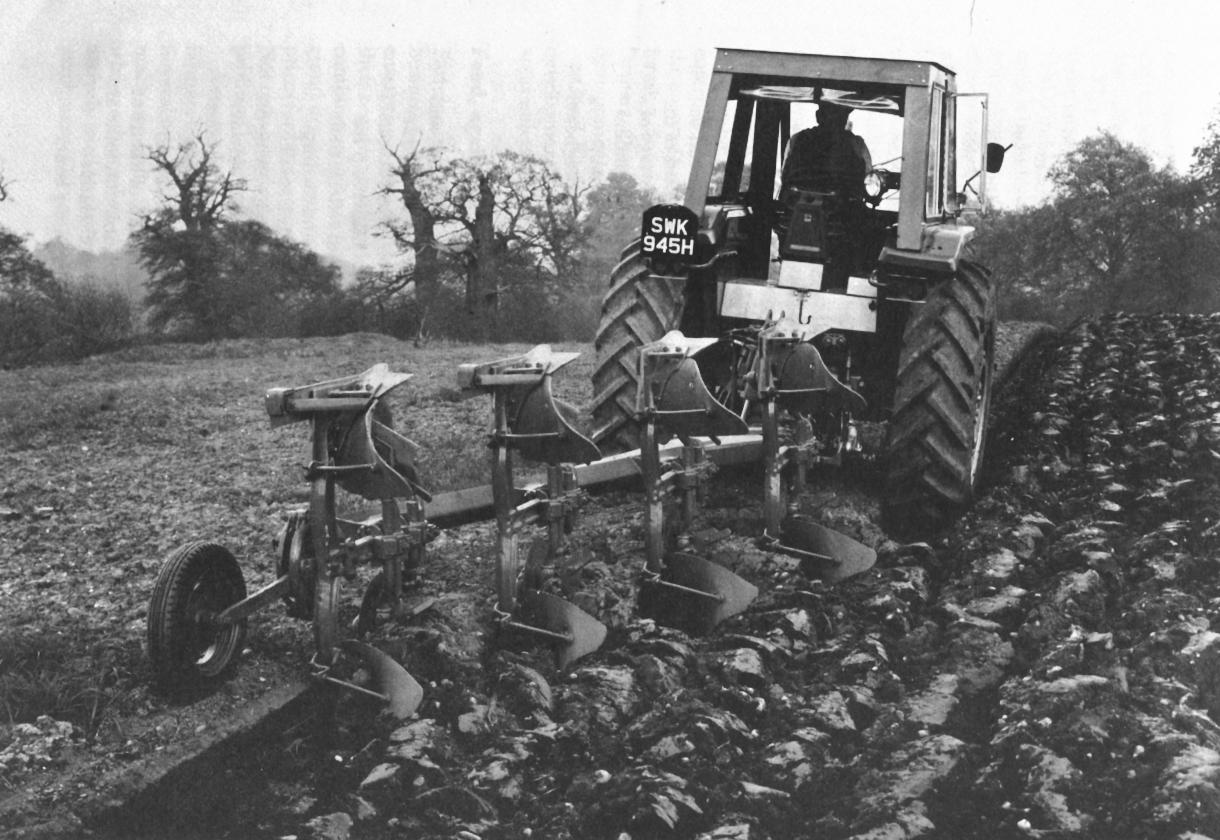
x,y
529,421
679,587
199,605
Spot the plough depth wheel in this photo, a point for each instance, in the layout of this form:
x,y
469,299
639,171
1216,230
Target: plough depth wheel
x,y
186,646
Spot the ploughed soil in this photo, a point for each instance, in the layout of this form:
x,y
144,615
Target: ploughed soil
x,y
1049,666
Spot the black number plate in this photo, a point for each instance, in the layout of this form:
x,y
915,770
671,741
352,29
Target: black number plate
x,y
668,233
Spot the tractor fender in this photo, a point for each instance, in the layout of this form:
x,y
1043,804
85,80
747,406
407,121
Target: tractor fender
x,y
722,225
942,247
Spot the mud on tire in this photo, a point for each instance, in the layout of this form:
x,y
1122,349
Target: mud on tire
x,y
934,446
197,582
636,310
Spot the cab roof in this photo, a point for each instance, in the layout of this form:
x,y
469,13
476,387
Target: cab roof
x,y
796,67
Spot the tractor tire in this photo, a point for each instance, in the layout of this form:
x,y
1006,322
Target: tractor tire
x,y
942,399
636,310
187,650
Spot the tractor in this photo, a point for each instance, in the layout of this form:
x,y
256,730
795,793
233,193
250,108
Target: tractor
x,y
861,259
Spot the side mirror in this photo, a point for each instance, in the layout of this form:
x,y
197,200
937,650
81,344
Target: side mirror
x,y
995,156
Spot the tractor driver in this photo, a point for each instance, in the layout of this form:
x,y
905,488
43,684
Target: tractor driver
x,y
827,157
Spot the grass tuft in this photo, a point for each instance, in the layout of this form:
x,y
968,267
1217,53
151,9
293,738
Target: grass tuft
x,y
43,674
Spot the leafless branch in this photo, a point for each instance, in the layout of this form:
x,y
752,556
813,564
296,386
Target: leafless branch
x,y
201,192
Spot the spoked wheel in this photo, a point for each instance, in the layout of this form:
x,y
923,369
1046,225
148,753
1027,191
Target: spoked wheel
x,y
186,646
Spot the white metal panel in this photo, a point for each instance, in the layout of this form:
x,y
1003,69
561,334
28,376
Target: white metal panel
x,y
914,167
861,287
808,277
800,275
844,67
813,312
709,137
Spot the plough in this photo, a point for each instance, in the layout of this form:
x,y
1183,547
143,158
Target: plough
x,y
199,605
779,254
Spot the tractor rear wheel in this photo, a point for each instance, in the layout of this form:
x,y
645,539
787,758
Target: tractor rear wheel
x,y
938,430
636,310
186,646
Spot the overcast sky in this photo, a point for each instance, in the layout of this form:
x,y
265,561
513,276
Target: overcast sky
x,y
300,94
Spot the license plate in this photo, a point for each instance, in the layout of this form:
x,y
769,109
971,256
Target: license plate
x,y
668,233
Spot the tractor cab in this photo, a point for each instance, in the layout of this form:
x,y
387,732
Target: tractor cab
x,y
828,205
834,174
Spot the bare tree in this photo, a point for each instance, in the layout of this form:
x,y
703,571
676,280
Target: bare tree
x,y
201,193
419,235
505,226
504,221
560,226
482,257
179,242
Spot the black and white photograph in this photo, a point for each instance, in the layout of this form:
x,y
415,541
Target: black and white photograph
x,y
648,420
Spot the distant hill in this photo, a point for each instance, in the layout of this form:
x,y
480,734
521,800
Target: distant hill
x,y
347,270
111,269
121,269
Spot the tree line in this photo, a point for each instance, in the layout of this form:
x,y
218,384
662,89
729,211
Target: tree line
x,y
494,248
1117,233
500,247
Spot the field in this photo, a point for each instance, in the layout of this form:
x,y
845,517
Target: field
x,y
1055,653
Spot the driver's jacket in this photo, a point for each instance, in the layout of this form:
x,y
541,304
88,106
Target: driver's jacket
x,y
826,160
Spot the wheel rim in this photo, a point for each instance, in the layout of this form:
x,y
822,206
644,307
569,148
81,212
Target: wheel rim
x,y
209,643
326,619
296,561
508,573
982,404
